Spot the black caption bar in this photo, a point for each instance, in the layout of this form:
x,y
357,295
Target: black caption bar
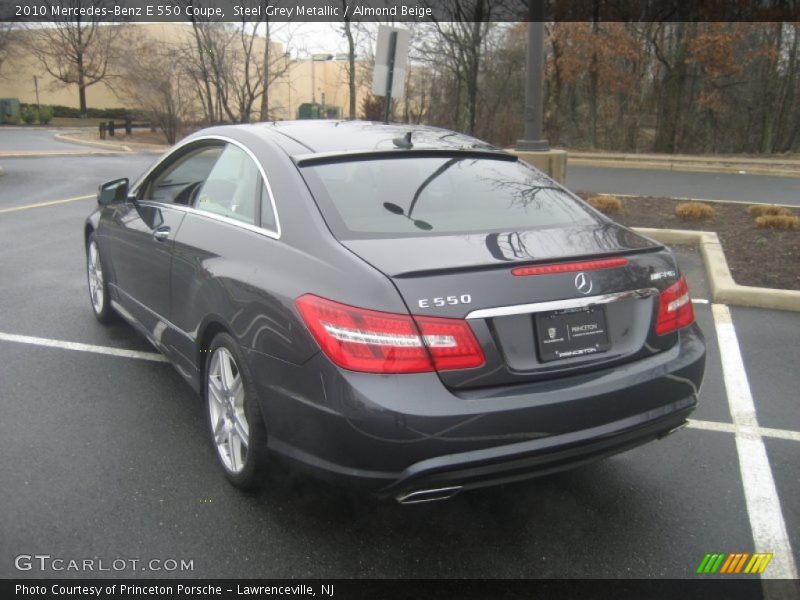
x,y
388,589
397,10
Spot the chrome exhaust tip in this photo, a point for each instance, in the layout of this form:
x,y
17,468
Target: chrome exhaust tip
x,y
429,495
661,436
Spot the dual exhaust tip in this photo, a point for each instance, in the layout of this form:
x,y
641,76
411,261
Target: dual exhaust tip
x,y
428,495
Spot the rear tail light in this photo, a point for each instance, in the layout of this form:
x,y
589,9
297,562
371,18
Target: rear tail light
x,y
380,342
674,308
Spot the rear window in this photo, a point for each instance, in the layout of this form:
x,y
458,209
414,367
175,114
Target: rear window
x,y
416,196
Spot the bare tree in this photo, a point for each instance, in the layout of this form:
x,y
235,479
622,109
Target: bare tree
x,y
159,85
233,70
351,61
463,35
6,43
75,50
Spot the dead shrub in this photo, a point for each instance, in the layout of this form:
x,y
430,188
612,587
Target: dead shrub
x,y
694,211
763,210
778,222
607,205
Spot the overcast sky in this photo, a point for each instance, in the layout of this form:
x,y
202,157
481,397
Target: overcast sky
x,y
312,37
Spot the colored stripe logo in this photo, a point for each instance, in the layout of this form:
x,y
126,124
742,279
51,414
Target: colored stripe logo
x,y
741,562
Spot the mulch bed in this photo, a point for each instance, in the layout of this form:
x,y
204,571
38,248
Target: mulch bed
x,y
759,257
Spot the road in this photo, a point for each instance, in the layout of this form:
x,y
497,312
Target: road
x,y
30,139
107,456
711,186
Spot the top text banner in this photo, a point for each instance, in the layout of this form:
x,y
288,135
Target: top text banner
x,y
395,10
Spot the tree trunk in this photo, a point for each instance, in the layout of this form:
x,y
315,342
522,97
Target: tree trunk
x,y
81,71
593,81
351,69
669,102
264,112
788,93
768,108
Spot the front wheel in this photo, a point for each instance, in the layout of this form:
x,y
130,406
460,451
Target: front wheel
x,y
98,286
237,428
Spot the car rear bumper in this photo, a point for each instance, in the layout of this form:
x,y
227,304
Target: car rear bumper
x,y
505,464
394,435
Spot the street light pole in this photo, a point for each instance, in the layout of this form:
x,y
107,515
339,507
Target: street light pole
x,y
534,81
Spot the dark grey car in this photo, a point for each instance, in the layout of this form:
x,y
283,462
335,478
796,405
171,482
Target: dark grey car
x,y
400,307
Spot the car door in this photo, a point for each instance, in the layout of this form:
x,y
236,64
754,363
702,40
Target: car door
x,y
220,246
144,232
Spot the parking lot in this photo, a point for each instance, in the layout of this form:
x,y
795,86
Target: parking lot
x,y
106,454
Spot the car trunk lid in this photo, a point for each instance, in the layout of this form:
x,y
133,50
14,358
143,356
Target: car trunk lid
x,y
581,298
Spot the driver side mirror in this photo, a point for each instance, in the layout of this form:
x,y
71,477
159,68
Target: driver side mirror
x,y
112,191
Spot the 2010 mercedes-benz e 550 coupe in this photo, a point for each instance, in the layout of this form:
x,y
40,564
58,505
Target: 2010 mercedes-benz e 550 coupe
x,y
397,306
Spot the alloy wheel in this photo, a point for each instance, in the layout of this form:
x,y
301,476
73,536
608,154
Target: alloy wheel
x,y
230,429
95,273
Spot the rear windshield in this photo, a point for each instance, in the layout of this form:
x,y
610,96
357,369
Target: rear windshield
x,y
415,196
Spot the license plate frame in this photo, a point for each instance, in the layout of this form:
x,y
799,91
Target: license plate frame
x,y
571,333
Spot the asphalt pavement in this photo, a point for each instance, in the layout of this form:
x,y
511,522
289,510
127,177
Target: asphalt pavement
x,y
29,139
680,184
107,456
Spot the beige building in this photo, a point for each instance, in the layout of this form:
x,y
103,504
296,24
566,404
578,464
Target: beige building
x,y
322,79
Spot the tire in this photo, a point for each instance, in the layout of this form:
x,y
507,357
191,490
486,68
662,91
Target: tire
x,y
235,424
98,284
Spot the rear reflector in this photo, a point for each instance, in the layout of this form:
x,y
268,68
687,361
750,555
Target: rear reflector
x,y
554,269
380,342
674,308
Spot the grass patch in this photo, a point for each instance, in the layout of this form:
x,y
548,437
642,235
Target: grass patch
x,y
608,205
694,211
778,222
763,210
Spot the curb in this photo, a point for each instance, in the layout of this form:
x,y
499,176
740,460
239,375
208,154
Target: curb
x,y
607,164
57,153
711,159
72,140
724,289
147,149
682,199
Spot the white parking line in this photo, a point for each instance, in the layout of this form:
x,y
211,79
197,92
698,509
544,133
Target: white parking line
x,y
699,301
37,341
782,434
761,496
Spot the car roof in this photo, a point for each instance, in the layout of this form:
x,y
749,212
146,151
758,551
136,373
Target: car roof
x,y
314,138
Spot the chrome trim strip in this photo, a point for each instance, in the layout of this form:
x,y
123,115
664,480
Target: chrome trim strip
x,y
187,335
268,232
567,303
210,216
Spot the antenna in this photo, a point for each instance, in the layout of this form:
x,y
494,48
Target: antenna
x,y
404,142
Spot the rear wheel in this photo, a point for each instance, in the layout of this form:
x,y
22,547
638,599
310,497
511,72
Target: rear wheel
x,y
235,422
98,287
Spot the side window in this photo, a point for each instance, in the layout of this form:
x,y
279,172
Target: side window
x,y
180,180
232,188
268,220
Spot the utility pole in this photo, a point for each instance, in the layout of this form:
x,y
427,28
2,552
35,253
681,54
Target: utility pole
x,y
534,81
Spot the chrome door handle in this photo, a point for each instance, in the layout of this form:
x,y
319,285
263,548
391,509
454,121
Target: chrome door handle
x,y
161,234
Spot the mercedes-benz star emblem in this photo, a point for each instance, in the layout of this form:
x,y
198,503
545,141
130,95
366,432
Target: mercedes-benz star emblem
x,y
583,283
